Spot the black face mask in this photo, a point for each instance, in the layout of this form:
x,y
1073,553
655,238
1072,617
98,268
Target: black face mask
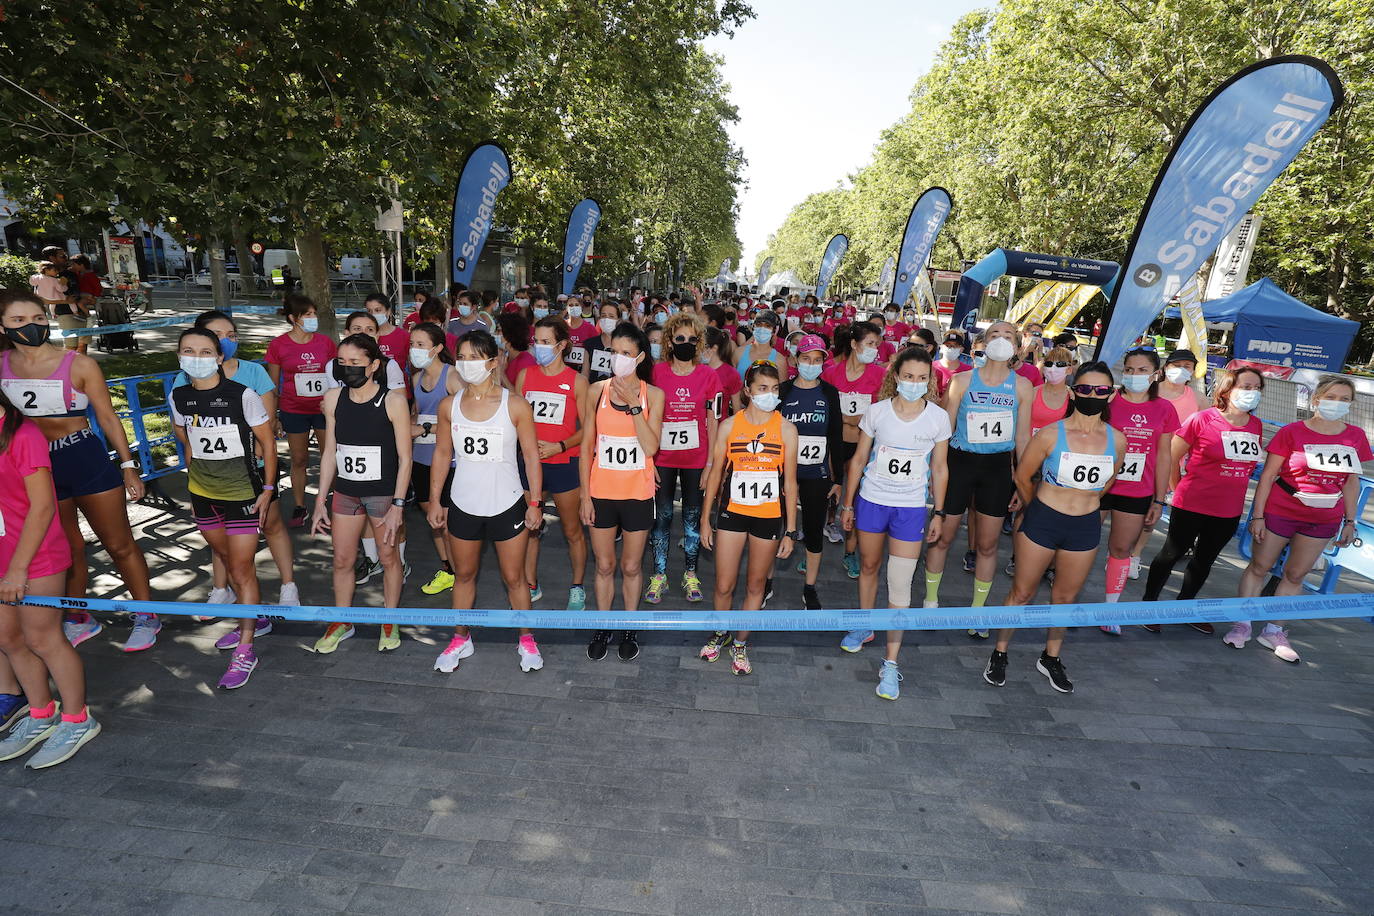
x,y
686,352
32,335
352,376
1089,407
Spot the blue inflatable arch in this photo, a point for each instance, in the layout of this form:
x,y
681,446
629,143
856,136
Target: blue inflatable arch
x,y
1005,262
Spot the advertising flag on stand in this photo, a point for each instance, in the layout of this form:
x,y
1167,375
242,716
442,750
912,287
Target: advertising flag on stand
x,y
1030,299
1233,258
886,277
1070,309
1057,297
830,262
922,226
486,172
1237,142
765,269
1194,324
577,244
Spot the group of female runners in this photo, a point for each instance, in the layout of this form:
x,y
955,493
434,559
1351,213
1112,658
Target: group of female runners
x,y
765,440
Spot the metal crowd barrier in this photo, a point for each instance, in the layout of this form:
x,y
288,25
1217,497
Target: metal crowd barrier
x,y
136,412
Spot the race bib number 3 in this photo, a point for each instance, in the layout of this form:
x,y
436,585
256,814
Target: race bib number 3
x,y
1133,468
478,443
358,462
754,488
1083,472
310,384
1332,459
1237,445
991,427
215,443
680,436
898,465
619,453
810,449
36,397
852,403
548,406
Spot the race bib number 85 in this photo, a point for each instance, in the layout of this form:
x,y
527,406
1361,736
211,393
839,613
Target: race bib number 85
x,y
359,462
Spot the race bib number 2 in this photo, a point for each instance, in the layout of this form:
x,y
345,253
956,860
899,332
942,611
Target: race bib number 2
x,y
36,397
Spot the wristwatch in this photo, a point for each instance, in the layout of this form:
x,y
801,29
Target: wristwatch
x,y
427,427
399,503
131,463
635,410
794,534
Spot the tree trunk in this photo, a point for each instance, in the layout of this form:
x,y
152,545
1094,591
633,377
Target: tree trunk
x,y
441,268
247,282
219,277
315,273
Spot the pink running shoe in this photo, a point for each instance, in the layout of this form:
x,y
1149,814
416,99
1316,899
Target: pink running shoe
x,y
1238,635
241,666
1276,638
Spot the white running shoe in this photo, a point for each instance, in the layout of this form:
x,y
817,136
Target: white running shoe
x,y
217,596
290,595
1238,635
930,603
1134,571
459,648
530,659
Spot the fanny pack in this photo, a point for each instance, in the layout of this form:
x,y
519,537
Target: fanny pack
x,y
1312,500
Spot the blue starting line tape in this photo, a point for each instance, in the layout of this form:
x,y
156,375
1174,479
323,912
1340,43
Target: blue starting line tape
x,y
1213,610
135,326
254,309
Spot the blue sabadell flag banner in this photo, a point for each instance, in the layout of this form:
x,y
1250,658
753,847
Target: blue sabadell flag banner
x,y
582,223
830,262
485,173
765,270
1237,142
922,227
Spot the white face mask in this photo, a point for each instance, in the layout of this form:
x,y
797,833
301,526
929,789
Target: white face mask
x,y
622,365
950,354
1245,398
607,325
473,371
999,349
868,355
420,357
379,317
1056,374
199,366
1178,375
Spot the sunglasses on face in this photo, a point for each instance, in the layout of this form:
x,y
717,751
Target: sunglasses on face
x,y
1093,391
682,338
978,353
1058,365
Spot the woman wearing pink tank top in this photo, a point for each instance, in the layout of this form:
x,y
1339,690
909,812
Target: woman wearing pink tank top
x,y
1177,385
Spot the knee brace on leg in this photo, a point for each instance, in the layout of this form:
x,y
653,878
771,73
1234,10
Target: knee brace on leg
x,y
900,572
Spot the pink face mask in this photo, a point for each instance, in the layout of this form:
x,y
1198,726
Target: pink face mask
x,y
1056,374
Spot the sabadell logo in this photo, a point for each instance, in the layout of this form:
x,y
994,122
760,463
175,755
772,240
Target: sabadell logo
x,y
1148,274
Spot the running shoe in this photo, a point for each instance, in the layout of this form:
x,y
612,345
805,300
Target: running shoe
x,y
1276,638
596,647
1238,635
241,665
289,596
1203,628
851,565
442,582
144,634
768,589
459,648
405,571
977,634
528,650
298,517
1152,628
1007,522
67,738
855,640
996,671
930,603
628,650
365,569
217,596
691,586
801,565
78,630
13,707
535,594
810,600
1053,669
1010,568
714,646
230,640
577,598
970,558
739,660
658,584
27,734
334,634
389,639
888,679
833,533
1134,571
1111,629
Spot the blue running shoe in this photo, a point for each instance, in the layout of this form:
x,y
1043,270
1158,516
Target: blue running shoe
x,y
801,567
888,679
855,640
577,598
13,707
64,742
851,565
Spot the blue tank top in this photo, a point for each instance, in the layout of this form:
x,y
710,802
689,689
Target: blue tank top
x,y
986,422
1080,472
809,411
426,411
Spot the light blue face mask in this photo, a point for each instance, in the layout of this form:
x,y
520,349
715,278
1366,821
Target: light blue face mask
x,y
763,334
979,362
912,391
766,402
543,354
656,350
540,313
810,371
1329,409
310,325
1135,383
199,366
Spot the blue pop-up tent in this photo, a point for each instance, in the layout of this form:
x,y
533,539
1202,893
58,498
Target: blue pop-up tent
x,y
1273,327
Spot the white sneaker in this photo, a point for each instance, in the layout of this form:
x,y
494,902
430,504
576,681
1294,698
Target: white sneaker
x,y
1238,635
217,596
1134,571
290,595
930,602
144,634
459,648
530,659
1276,638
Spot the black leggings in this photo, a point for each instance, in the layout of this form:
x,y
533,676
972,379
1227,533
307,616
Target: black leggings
x,y
1206,534
812,495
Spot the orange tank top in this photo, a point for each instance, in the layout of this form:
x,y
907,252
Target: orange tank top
x,y
620,468
756,456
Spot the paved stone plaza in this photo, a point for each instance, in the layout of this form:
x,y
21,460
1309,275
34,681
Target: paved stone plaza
x,y
1181,777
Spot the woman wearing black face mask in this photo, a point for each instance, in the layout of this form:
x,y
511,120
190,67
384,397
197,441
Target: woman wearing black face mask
x,y
366,460
53,389
1077,458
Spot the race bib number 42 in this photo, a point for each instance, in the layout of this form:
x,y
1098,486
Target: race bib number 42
x,y
1332,459
1238,445
810,449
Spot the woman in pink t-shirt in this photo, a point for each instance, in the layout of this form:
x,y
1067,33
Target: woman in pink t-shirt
x,y
35,556
298,362
1306,496
858,376
717,353
1222,445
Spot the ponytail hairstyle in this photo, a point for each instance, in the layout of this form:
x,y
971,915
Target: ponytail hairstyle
x,y
844,341
482,341
1153,391
645,368
294,305
437,338
722,341
1088,368
368,345
904,356
760,368
13,420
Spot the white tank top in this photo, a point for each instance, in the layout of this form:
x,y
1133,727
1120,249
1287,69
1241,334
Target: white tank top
x,y
486,480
